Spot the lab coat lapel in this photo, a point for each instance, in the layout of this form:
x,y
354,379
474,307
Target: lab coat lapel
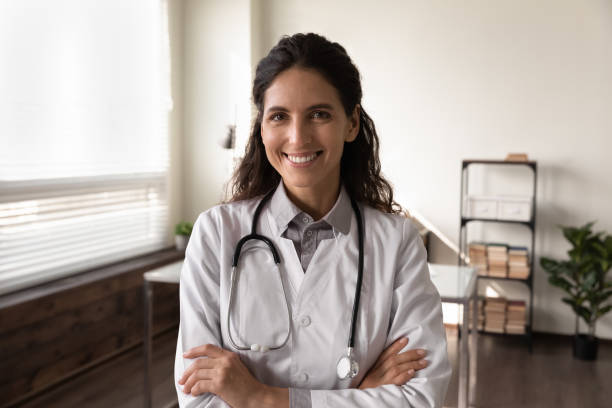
x,y
322,265
290,265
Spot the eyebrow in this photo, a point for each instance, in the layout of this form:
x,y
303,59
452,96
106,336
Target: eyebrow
x,y
313,107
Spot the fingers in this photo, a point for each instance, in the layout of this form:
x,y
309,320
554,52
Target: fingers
x,y
201,387
206,350
415,354
398,374
196,365
393,349
402,378
205,374
403,360
410,355
402,373
411,365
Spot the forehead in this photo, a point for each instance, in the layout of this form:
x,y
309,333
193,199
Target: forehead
x,y
298,88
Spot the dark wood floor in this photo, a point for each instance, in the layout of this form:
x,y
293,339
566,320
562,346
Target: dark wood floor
x,y
508,376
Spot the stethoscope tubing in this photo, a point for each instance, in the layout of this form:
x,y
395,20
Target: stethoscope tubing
x,y
357,297
254,236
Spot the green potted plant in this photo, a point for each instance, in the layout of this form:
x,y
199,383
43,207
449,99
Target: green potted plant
x,y
182,231
583,278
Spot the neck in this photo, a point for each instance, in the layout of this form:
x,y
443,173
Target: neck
x,y
315,202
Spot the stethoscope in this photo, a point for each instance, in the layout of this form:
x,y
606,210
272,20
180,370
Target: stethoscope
x,y
347,366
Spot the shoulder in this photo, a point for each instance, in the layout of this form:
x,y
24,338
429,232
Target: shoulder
x,y
389,225
226,216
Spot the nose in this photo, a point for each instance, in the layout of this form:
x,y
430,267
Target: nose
x,y
299,133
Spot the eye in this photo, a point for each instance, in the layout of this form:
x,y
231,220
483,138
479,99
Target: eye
x,y
319,114
277,116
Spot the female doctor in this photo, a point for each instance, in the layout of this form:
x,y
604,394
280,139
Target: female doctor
x,y
302,290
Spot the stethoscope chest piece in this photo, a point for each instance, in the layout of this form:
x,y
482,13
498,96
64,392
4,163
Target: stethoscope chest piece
x,y
347,367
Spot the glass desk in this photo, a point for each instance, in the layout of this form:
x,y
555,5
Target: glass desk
x,y
457,284
166,274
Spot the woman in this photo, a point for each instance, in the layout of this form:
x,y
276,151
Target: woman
x,y
313,157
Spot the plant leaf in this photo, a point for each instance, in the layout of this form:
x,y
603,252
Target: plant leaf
x,y
584,313
570,301
549,264
561,283
590,280
603,310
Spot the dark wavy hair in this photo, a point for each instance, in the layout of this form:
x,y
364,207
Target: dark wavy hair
x,y
359,166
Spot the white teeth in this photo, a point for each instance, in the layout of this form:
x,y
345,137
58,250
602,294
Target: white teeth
x,y
302,159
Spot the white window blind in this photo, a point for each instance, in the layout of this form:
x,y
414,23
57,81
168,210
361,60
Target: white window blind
x,y
84,101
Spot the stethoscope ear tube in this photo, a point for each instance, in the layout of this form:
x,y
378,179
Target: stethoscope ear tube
x,y
246,238
255,235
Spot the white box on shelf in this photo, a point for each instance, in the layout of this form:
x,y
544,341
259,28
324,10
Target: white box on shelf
x,y
509,208
514,208
478,206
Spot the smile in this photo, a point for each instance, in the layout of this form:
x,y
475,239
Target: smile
x,y
301,159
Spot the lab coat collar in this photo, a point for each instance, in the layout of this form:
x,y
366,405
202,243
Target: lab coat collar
x,y
283,211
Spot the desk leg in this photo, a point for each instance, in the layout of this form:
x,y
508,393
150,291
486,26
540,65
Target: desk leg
x,y
464,358
148,322
474,349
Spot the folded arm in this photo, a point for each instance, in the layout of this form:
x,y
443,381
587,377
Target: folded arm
x,y
199,320
416,314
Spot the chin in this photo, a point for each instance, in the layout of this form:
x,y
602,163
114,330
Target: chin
x,y
298,184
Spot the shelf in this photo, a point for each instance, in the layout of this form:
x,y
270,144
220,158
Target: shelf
x,y
531,164
526,334
525,281
464,232
465,220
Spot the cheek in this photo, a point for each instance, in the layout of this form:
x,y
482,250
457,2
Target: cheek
x,y
268,137
271,150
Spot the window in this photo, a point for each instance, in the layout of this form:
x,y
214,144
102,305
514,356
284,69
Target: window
x,y
84,101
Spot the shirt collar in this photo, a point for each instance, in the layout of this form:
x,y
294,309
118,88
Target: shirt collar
x,y
283,211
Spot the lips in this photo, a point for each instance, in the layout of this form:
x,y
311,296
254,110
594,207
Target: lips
x,y
302,158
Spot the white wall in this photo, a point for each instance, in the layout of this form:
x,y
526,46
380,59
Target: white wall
x,y
216,75
444,81
175,118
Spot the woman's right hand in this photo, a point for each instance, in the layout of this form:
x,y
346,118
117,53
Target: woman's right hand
x,y
394,368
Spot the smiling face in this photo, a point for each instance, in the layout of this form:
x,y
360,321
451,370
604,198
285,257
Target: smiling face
x,y
304,127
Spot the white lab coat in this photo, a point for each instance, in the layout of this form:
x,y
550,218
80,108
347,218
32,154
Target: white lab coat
x,y
397,299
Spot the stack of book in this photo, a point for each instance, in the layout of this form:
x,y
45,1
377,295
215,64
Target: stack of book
x,y
495,315
497,257
515,322
481,316
518,263
478,257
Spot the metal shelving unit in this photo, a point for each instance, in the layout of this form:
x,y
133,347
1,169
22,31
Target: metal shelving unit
x,y
530,225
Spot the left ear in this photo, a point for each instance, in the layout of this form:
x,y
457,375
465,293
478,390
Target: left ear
x,y
353,125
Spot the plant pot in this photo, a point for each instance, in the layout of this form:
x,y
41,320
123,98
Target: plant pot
x,y
181,242
585,347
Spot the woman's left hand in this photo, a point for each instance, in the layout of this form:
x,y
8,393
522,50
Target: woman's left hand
x,y
393,367
222,373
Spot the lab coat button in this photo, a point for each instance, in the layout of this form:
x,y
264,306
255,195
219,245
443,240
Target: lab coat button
x,y
303,377
305,321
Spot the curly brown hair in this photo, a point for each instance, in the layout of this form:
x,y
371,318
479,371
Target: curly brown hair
x,y
359,167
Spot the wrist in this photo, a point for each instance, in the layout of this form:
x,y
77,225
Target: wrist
x,y
271,397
